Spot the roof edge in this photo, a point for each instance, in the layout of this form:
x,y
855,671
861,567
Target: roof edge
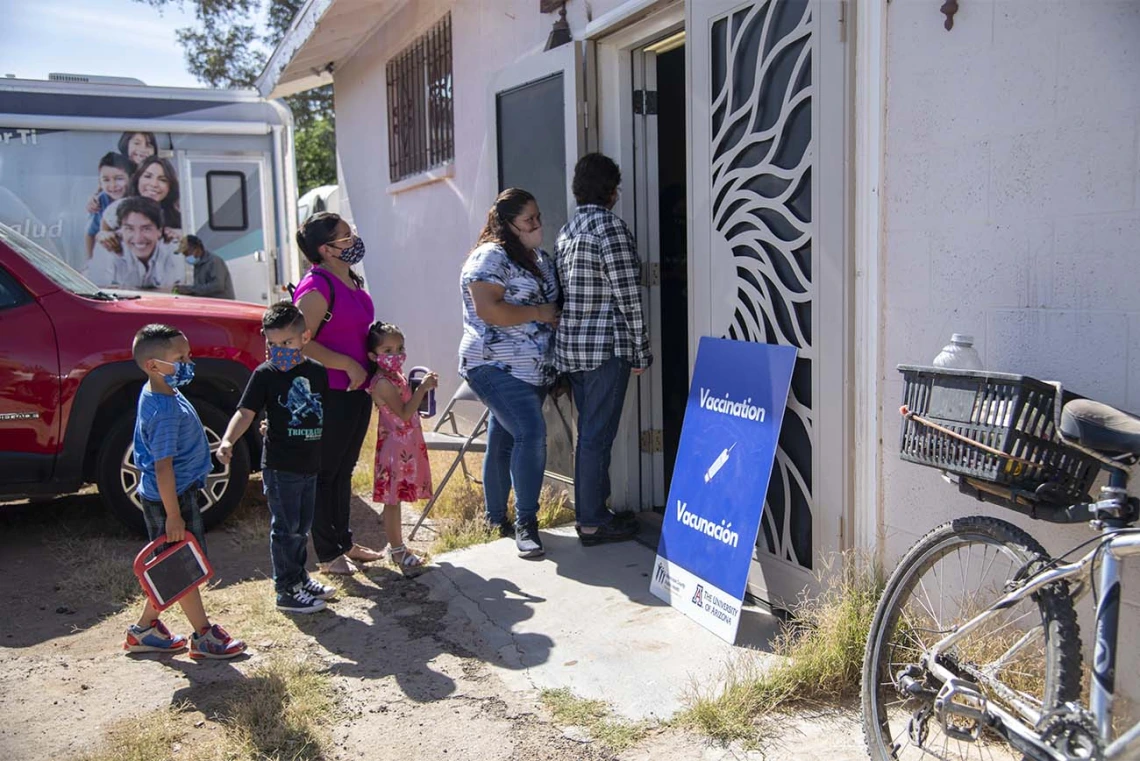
x,y
303,26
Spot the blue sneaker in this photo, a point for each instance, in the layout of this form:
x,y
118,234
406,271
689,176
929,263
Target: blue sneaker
x,y
317,589
298,600
156,638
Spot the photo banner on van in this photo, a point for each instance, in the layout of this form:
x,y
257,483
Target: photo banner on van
x,y
724,463
108,204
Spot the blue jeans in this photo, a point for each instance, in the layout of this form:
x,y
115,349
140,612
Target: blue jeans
x,y
292,497
516,442
598,395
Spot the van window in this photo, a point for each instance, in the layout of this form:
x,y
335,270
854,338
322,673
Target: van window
x,y
226,200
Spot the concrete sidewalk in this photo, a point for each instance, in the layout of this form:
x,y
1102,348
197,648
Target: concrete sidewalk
x,y
583,618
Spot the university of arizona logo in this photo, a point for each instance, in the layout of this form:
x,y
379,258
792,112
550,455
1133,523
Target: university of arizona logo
x,y
699,596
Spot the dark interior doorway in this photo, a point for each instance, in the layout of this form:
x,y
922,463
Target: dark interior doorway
x,y
673,218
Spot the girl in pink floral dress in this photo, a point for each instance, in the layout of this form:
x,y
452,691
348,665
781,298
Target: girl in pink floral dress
x,y
402,473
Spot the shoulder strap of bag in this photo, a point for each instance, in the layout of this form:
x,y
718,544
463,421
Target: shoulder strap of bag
x,y
332,299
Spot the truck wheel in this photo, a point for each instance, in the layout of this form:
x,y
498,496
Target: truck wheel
x,y
119,476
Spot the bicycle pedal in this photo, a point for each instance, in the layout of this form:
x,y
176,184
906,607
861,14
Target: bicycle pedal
x,y
961,710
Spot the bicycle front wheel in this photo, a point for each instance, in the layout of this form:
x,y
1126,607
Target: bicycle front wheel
x,y
1027,653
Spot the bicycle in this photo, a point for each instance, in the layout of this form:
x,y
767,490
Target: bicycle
x,y
974,649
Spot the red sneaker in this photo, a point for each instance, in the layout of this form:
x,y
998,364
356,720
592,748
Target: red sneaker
x,y
215,643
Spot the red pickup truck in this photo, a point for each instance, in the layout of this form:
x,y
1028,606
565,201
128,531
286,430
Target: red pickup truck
x,y
69,387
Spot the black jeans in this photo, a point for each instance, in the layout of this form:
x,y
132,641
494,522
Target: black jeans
x,y
347,414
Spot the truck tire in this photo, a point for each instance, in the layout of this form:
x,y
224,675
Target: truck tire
x,y
118,476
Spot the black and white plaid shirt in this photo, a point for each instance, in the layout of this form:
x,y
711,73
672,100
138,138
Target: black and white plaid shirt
x,y
600,275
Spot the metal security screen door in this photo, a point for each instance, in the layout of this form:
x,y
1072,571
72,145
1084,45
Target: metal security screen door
x,y
768,116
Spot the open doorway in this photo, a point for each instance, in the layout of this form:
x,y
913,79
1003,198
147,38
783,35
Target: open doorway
x,y
660,148
672,215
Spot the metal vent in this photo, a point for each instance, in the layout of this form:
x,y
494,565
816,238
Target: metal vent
x,y
94,79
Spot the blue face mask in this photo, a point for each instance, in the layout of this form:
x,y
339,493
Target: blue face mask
x,y
183,373
284,358
354,253
192,260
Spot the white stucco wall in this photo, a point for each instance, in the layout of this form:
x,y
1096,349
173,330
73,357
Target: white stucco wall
x,y
417,239
1011,213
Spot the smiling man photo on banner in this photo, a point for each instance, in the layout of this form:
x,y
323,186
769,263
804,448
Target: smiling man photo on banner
x,y
724,462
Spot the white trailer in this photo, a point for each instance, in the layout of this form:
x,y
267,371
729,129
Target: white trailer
x,y
231,152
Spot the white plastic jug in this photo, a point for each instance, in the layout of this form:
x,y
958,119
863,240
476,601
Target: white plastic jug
x,y
959,354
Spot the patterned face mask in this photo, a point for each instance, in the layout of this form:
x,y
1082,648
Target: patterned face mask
x,y
353,253
284,358
393,363
183,373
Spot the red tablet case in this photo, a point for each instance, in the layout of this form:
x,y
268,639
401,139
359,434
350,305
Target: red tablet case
x,y
166,584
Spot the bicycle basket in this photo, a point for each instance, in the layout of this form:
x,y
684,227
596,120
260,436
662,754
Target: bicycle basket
x,y
991,413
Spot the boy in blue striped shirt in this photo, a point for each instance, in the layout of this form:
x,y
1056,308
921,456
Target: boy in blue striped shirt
x,y
173,457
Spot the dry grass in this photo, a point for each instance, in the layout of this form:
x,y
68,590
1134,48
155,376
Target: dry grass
x,y
457,516
823,651
279,712
100,570
594,717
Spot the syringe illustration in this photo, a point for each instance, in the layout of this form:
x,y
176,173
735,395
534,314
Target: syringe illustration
x,y
718,463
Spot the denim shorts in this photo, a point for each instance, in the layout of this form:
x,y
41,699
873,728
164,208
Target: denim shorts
x,y
154,514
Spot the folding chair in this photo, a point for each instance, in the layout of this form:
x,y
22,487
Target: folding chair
x,y
454,441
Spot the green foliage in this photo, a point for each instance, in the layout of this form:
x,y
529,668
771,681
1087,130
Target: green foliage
x,y
316,154
225,49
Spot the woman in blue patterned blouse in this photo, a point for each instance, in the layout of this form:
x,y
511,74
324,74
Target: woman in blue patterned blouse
x,y
510,310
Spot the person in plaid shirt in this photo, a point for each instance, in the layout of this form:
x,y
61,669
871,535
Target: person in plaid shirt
x,y
601,337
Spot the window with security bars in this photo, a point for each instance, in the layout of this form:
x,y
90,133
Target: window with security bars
x,y
421,132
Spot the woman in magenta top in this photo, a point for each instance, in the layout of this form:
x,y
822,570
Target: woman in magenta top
x,y
340,343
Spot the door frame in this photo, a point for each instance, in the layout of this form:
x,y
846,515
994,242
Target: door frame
x,y
186,160
614,51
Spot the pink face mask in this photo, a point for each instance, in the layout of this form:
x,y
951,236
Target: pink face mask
x,y
393,363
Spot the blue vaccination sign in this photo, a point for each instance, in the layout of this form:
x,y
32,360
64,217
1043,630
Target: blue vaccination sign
x,y
724,462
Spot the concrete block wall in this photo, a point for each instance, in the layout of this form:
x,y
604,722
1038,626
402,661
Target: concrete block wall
x,y
1012,212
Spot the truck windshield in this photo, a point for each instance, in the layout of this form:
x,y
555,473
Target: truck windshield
x,y
59,272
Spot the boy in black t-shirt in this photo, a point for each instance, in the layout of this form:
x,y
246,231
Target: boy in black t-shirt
x,y
289,387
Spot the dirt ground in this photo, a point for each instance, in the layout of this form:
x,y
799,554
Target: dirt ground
x,y
411,679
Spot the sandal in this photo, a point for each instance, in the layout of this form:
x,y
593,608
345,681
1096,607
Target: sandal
x,y
361,554
408,562
342,566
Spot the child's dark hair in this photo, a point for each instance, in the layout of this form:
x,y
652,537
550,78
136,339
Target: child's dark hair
x,y
153,340
509,204
118,161
596,177
125,141
317,231
377,332
283,315
380,330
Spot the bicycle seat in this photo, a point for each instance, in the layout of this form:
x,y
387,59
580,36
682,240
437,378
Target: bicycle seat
x,y
1098,426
